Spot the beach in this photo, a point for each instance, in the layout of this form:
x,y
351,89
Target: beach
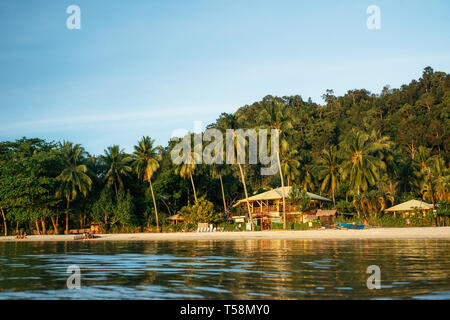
x,y
320,234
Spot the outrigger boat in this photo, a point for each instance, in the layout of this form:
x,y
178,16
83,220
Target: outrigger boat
x,y
357,226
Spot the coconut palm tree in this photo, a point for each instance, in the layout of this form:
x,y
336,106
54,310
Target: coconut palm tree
x,y
187,169
307,177
359,162
119,166
146,162
217,171
435,181
274,115
232,121
423,157
289,165
375,201
328,169
73,178
409,177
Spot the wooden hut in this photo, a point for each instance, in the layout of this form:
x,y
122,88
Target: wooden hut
x,y
326,216
175,219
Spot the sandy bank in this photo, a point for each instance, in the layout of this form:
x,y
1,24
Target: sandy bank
x,y
378,233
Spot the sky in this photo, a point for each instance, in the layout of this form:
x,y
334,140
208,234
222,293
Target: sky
x,y
152,67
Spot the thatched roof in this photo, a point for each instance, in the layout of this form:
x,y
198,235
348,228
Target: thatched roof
x,y
322,213
276,194
410,206
175,217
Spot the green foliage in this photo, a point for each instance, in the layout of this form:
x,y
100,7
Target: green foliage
x,y
299,198
344,206
201,211
443,208
392,221
110,210
297,226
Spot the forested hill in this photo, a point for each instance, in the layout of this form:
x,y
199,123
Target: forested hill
x,y
417,114
364,151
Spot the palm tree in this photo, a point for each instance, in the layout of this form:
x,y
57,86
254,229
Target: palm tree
x,y
241,145
307,176
375,201
146,162
409,177
231,121
359,162
187,169
289,165
423,157
217,171
118,164
274,116
328,168
73,178
435,183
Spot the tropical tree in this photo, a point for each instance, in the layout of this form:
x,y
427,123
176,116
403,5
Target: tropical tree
x,y
73,178
423,157
119,166
274,116
232,121
435,181
409,177
359,164
146,162
187,170
299,198
328,169
307,177
289,165
217,171
374,201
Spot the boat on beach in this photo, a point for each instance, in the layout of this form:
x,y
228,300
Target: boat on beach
x,y
357,226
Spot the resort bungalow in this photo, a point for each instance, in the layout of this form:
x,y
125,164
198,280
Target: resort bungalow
x,y
175,219
410,207
267,207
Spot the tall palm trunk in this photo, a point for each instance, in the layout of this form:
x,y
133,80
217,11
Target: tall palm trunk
x,y
67,215
117,192
4,221
44,229
55,224
282,191
154,204
37,226
334,200
246,195
223,195
193,186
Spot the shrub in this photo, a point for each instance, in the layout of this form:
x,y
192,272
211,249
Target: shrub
x,y
201,211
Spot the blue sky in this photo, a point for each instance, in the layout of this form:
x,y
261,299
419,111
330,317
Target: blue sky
x,y
150,67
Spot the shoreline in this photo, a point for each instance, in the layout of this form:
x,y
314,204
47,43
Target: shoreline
x,y
321,234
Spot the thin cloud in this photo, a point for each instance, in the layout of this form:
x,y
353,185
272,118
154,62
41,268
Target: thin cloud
x,y
105,118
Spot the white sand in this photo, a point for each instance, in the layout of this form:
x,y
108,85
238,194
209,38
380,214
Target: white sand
x,y
322,234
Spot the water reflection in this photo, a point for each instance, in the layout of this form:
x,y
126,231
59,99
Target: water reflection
x,y
245,269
